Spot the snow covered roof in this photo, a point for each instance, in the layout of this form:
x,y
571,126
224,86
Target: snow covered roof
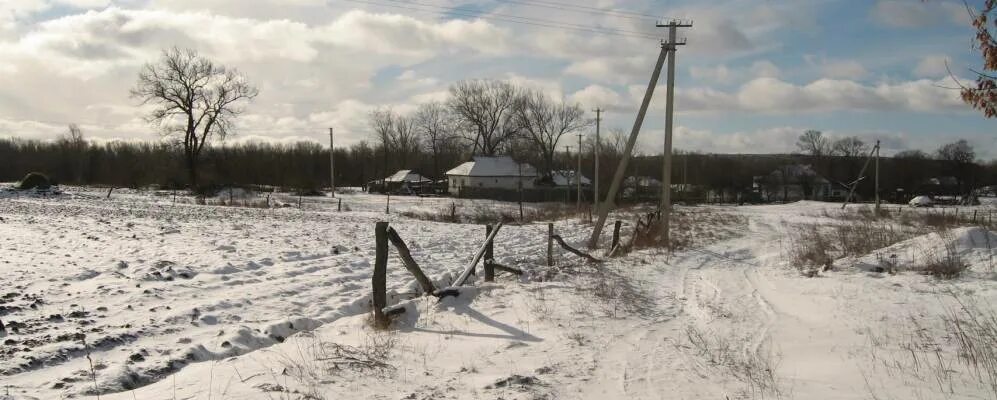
x,y
567,178
921,201
406,175
644,181
493,166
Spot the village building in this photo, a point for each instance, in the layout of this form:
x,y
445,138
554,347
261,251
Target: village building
x,y
483,172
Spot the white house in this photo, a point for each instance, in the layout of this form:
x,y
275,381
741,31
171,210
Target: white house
x,y
492,173
406,176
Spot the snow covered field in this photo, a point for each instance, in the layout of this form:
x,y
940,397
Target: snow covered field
x,y
156,300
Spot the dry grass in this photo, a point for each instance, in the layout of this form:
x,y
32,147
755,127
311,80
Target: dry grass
x,y
812,248
810,251
688,228
944,266
483,214
755,368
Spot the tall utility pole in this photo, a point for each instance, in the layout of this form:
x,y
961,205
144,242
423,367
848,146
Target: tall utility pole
x,y
621,169
332,166
578,176
877,179
666,169
595,175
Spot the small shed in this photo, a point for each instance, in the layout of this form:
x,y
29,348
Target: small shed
x,y
406,181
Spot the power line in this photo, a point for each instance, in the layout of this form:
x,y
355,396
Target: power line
x,y
510,18
585,9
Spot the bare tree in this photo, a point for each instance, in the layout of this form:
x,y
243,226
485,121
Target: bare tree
x,y
382,124
405,139
487,107
75,146
850,146
437,126
194,98
814,143
544,122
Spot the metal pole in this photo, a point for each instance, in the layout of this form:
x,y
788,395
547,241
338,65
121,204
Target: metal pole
x,y
877,178
578,177
595,175
666,177
332,166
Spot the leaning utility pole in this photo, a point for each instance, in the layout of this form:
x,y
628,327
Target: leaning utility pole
x,y
332,166
666,169
595,175
578,176
625,160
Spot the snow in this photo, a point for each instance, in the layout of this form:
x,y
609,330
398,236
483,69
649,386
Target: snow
x,y
406,175
493,166
185,301
921,201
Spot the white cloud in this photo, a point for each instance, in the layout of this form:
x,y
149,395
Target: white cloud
x,y
837,69
611,69
597,96
765,69
932,67
718,74
916,14
774,96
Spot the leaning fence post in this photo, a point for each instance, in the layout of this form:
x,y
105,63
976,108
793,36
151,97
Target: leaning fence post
x,y
409,262
616,234
550,244
379,278
489,255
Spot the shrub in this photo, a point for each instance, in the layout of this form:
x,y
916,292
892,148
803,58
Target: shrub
x,y
945,266
809,251
35,180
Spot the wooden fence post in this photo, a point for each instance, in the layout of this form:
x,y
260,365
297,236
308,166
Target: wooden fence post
x,y
453,211
616,234
387,205
489,256
409,262
340,206
379,278
550,244
109,192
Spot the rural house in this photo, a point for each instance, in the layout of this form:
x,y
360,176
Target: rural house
x,y
793,182
567,178
482,172
406,181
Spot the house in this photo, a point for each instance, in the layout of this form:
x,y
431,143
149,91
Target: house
x,y
483,172
567,178
641,187
406,181
794,182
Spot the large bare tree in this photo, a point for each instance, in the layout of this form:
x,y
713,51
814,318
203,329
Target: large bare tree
x,y
194,98
487,108
382,124
850,146
814,142
544,122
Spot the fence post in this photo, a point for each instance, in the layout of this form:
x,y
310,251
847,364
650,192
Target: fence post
x,y
340,206
409,262
550,244
387,205
489,255
974,216
109,192
379,278
616,234
453,211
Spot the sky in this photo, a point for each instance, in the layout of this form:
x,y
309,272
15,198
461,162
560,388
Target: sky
x,y
753,75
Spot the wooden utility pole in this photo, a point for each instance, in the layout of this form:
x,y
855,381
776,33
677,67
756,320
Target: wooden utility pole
x,y
614,187
595,175
877,179
578,177
666,169
332,166
851,192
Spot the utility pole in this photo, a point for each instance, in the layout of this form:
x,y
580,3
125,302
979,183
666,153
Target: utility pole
x,y
567,155
625,160
332,166
595,175
666,169
877,179
578,176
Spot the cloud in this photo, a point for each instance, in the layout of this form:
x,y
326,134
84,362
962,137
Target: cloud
x,y
597,96
718,74
765,69
836,69
774,96
611,69
932,67
917,14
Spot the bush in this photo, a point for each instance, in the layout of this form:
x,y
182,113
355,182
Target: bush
x,y
945,266
35,180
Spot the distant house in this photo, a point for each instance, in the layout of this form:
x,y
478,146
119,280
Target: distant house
x,y
641,187
406,181
793,182
567,178
490,173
